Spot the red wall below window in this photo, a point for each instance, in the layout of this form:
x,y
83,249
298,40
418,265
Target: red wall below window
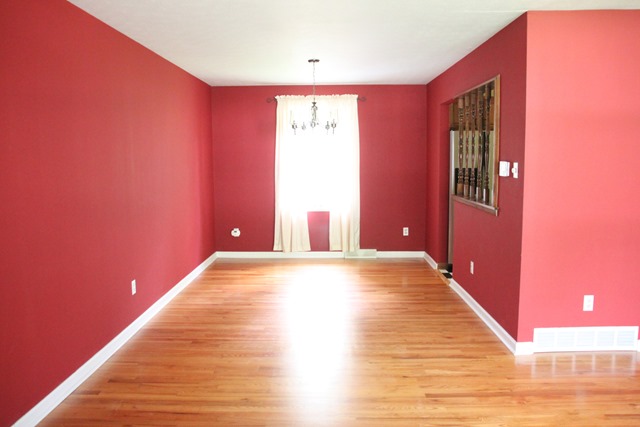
x,y
392,164
105,177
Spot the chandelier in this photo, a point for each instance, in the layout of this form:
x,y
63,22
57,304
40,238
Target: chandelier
x,y
314,122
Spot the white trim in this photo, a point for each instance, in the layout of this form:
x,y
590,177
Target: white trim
x,y
400,254
279,255
638,346
524,348
432,263
498,330
363,253
53,399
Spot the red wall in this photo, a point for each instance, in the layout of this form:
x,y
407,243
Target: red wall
x,y
491,242
392,163
582,211
569,225
105,177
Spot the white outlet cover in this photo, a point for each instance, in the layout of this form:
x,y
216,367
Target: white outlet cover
x,y
504,168
514,170
235,232
587,303
133,287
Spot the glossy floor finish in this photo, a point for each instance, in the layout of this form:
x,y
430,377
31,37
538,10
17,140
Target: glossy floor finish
x,y
341,343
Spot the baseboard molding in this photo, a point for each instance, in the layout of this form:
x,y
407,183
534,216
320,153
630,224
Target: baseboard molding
x,y
401,254
495,327
53,399
362,253
280,255
432,263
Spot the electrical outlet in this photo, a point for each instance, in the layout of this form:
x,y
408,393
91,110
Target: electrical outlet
x,y
133,287
514,170
471,267
405,231
587,303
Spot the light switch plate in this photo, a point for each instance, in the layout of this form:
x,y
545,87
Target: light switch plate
x,y
504,168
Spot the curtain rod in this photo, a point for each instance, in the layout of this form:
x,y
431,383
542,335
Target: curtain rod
x,y
360,98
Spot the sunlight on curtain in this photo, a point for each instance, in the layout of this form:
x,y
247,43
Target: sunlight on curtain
x,y
317,170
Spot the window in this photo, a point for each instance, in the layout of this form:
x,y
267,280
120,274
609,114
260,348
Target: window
x,y
317,170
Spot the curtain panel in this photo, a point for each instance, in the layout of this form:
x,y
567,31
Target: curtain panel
x,y
317,170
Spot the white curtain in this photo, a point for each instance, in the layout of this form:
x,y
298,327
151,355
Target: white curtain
x,y
317,170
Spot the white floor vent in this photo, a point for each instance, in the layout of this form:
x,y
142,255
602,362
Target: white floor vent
x,y
362,253
614,338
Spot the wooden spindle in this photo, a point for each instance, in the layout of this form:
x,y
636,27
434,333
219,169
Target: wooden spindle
x,y
467,143
486,195
472,148
459,173
481,151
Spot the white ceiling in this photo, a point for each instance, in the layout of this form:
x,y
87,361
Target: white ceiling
x,y
269,42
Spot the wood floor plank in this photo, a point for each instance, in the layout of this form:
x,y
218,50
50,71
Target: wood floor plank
x,y
341,343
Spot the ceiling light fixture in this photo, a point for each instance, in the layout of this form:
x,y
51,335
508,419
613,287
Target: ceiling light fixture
x,y
314,109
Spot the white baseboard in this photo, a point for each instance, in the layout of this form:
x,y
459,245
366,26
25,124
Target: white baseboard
x,y
362,253
524,348
280,255
495,327
401,254
432,263
53,399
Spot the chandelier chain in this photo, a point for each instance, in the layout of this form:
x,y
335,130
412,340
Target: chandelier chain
x,y
332,124
313,61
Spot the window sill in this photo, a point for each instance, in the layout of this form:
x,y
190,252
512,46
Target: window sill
x,y
485,208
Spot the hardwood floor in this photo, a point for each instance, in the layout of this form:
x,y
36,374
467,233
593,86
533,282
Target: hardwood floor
x,y
341,343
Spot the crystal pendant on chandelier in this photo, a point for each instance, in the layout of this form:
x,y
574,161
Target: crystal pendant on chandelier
x,y
314,122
